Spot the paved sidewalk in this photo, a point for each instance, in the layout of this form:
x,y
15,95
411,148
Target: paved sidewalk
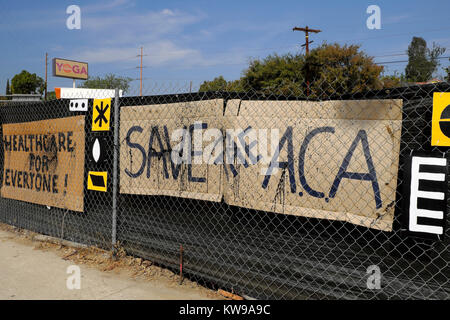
x,y
27,273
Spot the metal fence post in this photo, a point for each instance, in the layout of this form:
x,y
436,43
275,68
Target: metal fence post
x,y
115,160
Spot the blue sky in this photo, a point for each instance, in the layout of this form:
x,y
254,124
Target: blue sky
x,y
198,40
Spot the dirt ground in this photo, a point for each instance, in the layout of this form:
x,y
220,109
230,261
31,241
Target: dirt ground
x,y
36,269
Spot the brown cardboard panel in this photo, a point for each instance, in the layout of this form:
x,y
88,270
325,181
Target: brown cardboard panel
x,y
339,159
326,130
44,162
386,109
159,176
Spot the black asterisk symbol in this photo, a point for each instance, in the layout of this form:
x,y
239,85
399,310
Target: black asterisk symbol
x,y
101,114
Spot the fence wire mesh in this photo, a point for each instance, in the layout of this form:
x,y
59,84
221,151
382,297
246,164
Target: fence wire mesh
x,y
291,192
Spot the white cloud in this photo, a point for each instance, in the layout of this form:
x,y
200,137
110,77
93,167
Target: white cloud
x,y
168,12
116,39
153,22
161,52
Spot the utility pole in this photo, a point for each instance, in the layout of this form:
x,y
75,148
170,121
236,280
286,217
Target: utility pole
x,y
141,55
46,64
140,91
306,45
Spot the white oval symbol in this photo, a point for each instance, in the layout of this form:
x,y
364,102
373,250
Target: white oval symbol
x,y
96,150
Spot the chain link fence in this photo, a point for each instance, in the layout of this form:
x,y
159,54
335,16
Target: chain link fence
x,y
272,193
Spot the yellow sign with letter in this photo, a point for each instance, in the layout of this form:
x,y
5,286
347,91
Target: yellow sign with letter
x,y
440,121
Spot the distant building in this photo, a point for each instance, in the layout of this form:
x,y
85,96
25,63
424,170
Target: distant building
x,y
25,97
21,98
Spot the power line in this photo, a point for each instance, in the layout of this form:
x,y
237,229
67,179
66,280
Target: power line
x,y
395,35
402,61
306,45
353,26
399,54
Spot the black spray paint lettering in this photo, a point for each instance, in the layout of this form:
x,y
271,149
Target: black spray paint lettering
x,y
61,141
286,139
31,180
301,161
274,164
152,153
234,153
342,172
136,146
370,176
195,153
40,175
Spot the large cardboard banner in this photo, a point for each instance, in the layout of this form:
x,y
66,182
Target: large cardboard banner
x,y
150,135
44,162
334,160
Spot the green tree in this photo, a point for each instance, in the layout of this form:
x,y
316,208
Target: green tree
x,y
277,74
447,77
110,81
327,70
51,95
27,83
334,69
422,61
393,81
220,84
8,89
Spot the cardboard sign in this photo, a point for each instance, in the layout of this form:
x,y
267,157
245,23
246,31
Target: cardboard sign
x,y
425,195
44,162
145,154
335,160
440,123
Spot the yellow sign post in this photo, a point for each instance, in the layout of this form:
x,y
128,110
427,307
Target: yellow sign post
x,y
440,121
101,114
